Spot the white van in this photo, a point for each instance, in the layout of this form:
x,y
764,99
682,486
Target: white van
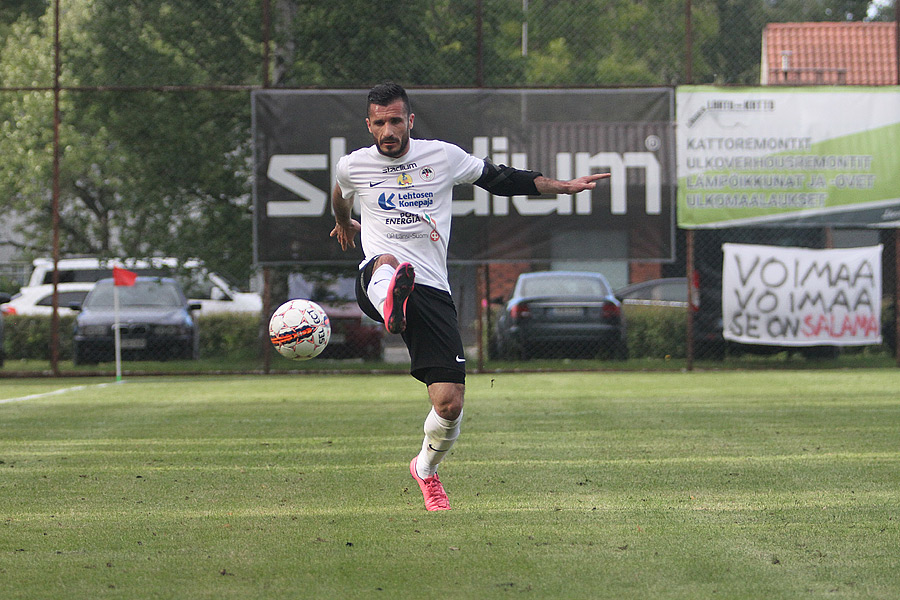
x,y
214,293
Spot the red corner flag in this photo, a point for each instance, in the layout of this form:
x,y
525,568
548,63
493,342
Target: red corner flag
x,y
123,276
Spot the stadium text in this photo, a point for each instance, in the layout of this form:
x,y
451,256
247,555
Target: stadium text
x,y
313,202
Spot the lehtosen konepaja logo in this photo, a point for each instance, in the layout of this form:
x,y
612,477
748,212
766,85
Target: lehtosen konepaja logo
x,y
385,202
406,200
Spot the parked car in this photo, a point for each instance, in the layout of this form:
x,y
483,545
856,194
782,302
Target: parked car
x,y
38,300
155,322
668,291
214,292
353,334
562,313
4,298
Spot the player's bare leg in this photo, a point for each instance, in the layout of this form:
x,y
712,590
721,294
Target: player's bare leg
x,y
441,431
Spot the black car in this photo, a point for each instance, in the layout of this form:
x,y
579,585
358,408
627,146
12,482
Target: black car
x,y
3,299
155,322
561,314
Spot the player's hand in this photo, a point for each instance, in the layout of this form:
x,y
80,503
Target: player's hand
x,y
346,233
545,185
588,182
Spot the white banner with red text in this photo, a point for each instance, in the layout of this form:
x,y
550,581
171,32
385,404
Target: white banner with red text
x,y
801,297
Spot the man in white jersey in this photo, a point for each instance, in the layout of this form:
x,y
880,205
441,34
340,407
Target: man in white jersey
x,y
405,192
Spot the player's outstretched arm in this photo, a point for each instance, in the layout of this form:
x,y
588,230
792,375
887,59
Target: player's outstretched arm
x,y
345,227
545,185
502,180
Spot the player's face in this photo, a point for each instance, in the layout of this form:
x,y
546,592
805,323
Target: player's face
x,y
390,126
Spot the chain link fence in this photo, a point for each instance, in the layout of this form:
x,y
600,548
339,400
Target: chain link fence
x,y
125,132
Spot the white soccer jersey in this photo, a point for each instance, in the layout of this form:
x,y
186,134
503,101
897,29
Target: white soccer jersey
x,y
406,202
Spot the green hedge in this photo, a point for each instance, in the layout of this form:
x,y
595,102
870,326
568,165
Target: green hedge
x,y
653,332
224,335
230,335
29,337
656,331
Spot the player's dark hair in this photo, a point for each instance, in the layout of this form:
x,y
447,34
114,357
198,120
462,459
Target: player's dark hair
x,y
385,93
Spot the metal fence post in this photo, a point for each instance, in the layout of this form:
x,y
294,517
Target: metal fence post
x,y
689,260
479,44
897,296
688,43
54,319
267,310
897,39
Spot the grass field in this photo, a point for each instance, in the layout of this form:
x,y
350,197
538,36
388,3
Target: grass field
x,y
782,484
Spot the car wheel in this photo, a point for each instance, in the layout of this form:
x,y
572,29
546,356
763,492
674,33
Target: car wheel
x,y
526,352
503,350
511,351
620,350
373,353
493,348
79,357
186,351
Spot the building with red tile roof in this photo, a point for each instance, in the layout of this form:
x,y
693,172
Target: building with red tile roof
x,y
856,53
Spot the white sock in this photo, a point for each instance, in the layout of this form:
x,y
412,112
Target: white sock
x,y
440,434
378,286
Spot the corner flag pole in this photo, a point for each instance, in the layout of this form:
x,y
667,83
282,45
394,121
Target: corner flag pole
x,y
127,278
117,333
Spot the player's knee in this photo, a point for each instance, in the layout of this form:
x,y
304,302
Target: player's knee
x,y
386,259
447,399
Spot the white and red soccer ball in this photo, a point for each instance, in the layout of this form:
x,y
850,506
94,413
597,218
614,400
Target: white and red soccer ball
x,y
299,329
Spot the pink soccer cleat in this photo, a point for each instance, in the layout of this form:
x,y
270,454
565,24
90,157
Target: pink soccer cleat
x,y
432,490
399,289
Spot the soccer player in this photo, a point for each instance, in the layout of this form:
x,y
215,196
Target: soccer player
x,y
405,190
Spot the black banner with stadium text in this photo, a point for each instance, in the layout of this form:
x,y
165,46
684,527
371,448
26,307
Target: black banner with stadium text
x,y
300,135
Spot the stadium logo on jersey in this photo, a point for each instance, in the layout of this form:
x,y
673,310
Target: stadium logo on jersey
x,y
404,180
427,174
399,168
385,202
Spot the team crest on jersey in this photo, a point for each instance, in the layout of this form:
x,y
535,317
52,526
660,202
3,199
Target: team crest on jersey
x,y
427,174
404,180
435,236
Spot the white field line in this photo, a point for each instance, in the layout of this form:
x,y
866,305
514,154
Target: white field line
x,y
53,393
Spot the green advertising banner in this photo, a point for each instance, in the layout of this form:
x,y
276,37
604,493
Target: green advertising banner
x,y
793,156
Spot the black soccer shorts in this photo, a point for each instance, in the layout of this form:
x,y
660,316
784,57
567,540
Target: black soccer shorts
x,y
432,331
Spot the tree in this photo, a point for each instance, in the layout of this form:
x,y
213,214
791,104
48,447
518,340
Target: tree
x,y
13,10
354,43
143,172
883,11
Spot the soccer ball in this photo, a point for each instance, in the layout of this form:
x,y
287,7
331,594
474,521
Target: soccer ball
x,y
299,329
